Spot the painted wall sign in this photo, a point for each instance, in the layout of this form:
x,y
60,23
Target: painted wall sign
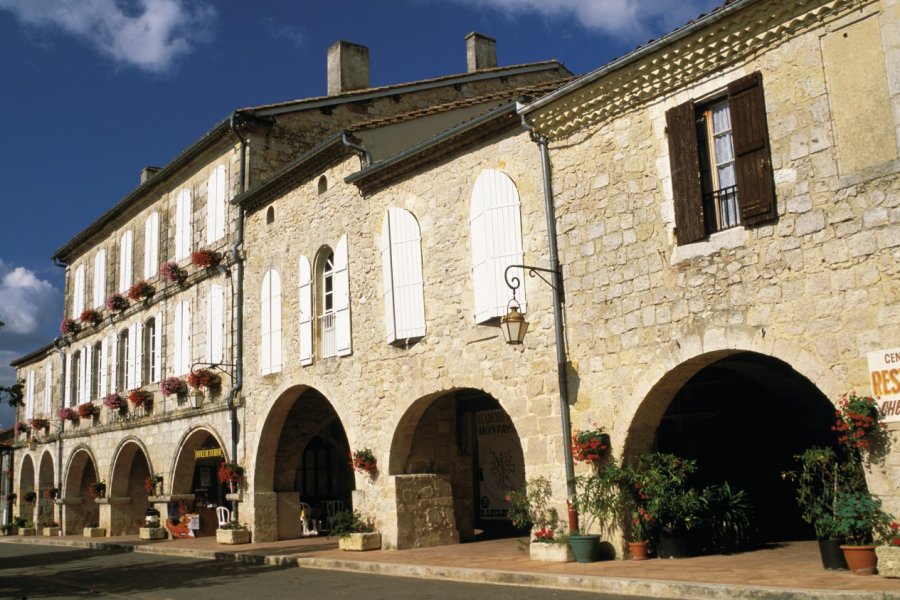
x,y
500,462
884,375
207,452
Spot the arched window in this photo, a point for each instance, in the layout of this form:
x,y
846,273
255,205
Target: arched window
x,y
270,215
323,184
151,349
401,265
495,225
74,379
326,332
270,305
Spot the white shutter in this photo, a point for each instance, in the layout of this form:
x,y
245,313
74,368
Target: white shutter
x,y
387,271
406,252
214,318
176,341
215,205
48,387
82,378
305,273
265,342
342,332
100,278
29,395
156,375
125,261
151,245
88,356
179,226
78,292
129,358
276,322
104,366
114,363
138,345
185,339
496,230
67,386
183,232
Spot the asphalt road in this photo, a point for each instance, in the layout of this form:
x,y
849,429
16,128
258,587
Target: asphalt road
x,y
32,571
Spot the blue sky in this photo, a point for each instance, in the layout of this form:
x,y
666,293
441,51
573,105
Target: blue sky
x,y
94,90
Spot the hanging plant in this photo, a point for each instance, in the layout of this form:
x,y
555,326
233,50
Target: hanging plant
x,y
173,386
206,259
141,291
22,427
858,424
172,272
87,410
117,303
90,316
68,414
30,496
231,472
152,483
68,327
52,493
364,461
114,402
40,423
97,489
204,378
590,446
140,397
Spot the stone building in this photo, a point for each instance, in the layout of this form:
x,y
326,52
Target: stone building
x,y
726,220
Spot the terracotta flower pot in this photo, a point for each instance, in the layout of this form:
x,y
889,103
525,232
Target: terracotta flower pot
x,y
638,550
860,559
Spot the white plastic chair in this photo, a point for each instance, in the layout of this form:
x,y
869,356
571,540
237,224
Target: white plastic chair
x,y
306,520
332,507
224,516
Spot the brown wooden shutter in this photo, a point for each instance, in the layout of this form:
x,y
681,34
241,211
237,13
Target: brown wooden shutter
x,y
685,160
753,159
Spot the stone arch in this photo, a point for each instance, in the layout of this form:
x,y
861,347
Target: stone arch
x,y
27,483
46,480
128,498
301,457
717,407
80,510
185,462
456,448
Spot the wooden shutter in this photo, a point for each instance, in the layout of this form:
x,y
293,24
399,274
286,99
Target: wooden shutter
x,y
753,160
104,366
496,233
151,245
67,392
100,278
138,345
305,316
342,334
406,265
684,158
157,347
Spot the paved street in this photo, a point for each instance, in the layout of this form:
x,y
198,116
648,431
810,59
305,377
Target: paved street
x,y
33,571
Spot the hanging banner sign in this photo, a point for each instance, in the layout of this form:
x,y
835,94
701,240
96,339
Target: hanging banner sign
x,y
207,453
884,375
500,462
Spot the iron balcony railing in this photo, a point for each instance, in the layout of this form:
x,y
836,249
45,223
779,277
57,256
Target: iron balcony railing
x,y
725,202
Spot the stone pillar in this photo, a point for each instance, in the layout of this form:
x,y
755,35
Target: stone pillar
x,y
265,517
425,515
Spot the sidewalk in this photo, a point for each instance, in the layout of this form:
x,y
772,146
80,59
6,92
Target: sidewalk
x,y
787,572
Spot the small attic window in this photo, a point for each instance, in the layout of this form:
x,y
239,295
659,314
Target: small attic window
x,y
323,184
270,215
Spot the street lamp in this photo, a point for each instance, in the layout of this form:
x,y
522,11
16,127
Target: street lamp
x,y
513,324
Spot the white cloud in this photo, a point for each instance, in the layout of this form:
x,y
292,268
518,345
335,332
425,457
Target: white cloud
x,y
147,34
29,308
633,20
294,35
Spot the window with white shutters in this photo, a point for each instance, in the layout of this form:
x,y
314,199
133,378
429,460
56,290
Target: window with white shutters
x,y
151,245
97,361
137,354
401,264
215,324
113,371
48,387
78,292
495,224
67,380
156,354
270,342
183,226
123,356
306,316
343,345
126,260
99,278
105,387
75,377
86,374
182,340
215,205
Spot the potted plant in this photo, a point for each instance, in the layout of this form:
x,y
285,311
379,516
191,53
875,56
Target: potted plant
x,y
9,529
140,397
364,462
530,507
354,533
859,520
173,386
115,402
153,484
141,290
68,327
38,424
51,493
25,527
86,410
233,533
206,259
30,497
232,474
727,517
590,446
598,499
117,303
858,424
97,489
172,272
68,414
888,553
90,316
205,379
22,428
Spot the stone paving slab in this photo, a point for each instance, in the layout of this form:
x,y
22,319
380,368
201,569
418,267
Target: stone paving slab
x,y
791,571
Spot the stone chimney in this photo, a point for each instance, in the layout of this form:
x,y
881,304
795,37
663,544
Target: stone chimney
x,y
348,67
147,173
481,52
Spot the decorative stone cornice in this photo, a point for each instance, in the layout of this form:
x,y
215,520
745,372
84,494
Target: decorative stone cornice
x,y
688,58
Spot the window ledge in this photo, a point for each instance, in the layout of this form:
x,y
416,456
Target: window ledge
x,y
730,238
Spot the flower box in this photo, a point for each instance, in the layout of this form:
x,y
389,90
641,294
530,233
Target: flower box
x,y
232,536
360,542
117,303
141,291
152,533
90,316
173,386
555,553
68,327
27,531
86,410
68,414
94,532
172,272
51,531
140,397
206,259
888,560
